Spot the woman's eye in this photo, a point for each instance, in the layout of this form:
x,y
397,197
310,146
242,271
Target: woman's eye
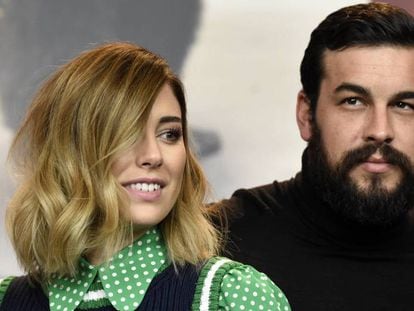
x,y
171,135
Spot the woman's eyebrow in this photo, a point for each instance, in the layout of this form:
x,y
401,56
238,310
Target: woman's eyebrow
x,y
168,119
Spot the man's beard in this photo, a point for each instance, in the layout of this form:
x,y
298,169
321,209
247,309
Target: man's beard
x,y
372,206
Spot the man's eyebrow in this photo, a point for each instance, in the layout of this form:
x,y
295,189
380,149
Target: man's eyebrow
x,y
169,119
403,95
353,88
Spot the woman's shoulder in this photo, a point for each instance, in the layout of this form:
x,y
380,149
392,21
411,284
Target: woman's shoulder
x,y
4,285
225,284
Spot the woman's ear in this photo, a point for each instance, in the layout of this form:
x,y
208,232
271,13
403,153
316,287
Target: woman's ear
x,y
304,116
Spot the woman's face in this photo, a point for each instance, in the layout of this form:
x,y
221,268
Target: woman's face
x,y
151,171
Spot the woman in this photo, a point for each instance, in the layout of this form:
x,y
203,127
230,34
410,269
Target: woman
x,y
109,213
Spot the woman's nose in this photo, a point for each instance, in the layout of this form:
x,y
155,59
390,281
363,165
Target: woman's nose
x,y
149,154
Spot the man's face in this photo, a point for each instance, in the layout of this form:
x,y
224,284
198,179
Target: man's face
x,y
364,119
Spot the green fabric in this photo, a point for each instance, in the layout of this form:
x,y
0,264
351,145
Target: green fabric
x,y
123,280
4,284
229,285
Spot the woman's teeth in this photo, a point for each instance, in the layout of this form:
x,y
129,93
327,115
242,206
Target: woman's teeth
x,y
144,187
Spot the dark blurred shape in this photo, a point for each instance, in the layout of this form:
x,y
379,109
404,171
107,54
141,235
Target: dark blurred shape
x,y
207,142
37,35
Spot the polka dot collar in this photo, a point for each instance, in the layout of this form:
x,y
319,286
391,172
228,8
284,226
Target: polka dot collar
x,y
125,278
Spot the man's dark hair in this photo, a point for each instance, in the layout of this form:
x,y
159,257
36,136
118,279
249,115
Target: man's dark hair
x,y
372,24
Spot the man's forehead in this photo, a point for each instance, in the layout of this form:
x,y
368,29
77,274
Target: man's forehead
x,y
366,55
370,62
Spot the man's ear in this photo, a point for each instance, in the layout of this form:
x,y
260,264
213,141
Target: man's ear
x,y
304,116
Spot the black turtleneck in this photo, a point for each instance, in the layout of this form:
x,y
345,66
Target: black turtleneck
x,y
320,261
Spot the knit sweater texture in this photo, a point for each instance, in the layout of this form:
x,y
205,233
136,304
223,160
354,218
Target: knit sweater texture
x,y
321,261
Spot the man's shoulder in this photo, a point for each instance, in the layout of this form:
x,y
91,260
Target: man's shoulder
x,y
265,198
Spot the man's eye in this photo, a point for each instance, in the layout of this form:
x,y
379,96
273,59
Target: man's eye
x,y
352,101
404,106
171,135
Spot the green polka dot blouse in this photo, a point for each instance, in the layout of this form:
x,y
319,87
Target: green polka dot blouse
x,y
123,281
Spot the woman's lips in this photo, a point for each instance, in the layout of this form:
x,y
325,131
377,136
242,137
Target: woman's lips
x,y
144,189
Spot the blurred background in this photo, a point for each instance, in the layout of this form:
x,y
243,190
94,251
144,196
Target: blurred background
x,y
239,60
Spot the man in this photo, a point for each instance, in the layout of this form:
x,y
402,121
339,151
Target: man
x,y
340,235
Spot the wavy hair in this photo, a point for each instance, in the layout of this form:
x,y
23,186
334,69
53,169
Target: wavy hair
x,y
68,203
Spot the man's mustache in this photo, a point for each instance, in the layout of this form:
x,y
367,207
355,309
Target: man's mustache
x,y
363,153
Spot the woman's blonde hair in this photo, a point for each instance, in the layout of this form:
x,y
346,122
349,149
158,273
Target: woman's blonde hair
x,y
68,203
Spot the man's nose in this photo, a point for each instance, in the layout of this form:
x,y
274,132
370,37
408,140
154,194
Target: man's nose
x,y
378,126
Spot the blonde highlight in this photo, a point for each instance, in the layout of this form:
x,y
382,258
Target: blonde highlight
x,y
68,203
